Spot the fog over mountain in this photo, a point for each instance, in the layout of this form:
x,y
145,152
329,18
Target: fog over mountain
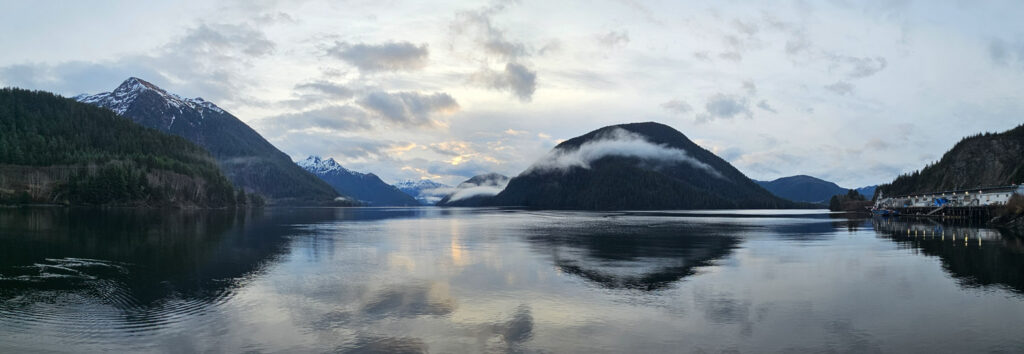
x,y
635,166
475,191
615,142
425,191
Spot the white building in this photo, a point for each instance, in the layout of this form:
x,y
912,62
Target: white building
x,y
990,196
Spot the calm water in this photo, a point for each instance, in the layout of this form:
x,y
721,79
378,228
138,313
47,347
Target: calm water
x,y
437,280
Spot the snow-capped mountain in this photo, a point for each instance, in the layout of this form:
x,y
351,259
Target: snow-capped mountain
x,y
366,187
125,95
426,191
316,164
248,160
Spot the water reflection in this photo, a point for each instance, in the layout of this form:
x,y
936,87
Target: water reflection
x,y
629,255
411,280
125,270
976,256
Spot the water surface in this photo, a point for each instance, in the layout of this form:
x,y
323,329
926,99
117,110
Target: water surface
x,y
490,280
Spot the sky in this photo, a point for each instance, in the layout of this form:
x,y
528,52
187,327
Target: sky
x,y
854,92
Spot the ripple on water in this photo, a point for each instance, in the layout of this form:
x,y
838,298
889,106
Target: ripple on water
x,y
90,301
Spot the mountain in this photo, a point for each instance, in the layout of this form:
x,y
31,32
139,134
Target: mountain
x,y
57,150
977,161
803,188
366,187
475,191
867,191
634,166
247,159
425,191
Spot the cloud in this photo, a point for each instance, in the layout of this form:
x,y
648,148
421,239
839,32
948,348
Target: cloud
x,y
517,79
390,56
210,60
677,106
486,191
409,108
731,55
220,39
841,88
617,142
750,88
863,67
1003,53
335,117
764,105
275,18
723,106
613,39
489,186
327,88
487,35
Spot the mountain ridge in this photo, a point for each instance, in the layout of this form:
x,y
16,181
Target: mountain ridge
x,y
245,157
368,188
810,189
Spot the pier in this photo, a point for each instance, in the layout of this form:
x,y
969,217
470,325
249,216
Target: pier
x,y
974,204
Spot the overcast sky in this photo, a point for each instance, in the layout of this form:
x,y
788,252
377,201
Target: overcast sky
x,y
850,91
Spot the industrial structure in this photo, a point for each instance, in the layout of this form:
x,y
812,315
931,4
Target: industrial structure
x,y
977,202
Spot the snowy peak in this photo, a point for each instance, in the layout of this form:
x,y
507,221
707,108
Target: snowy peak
x,y
365,187
126,94
420,185
318,165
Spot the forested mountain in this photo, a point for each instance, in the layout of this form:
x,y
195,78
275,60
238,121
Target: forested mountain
x,y
427,192
802,188
977,161
634,166
867,191
367,188
247,159
475,191
57,150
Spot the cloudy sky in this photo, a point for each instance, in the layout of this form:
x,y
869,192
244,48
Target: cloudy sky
x,y
851,91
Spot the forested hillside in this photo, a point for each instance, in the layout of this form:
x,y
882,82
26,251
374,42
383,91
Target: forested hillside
x,y
245,157
977,161
637,166
57,150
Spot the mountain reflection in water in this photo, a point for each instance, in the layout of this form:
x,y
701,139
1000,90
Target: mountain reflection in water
x,y
977,257
644,256
411,280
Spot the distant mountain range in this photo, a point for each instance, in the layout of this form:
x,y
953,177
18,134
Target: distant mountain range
x,y
638,166
367,188
475,191
803,188
425,191
977,161
55,150
248,160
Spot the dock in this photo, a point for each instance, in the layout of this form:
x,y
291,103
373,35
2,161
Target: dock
x,y
974,203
